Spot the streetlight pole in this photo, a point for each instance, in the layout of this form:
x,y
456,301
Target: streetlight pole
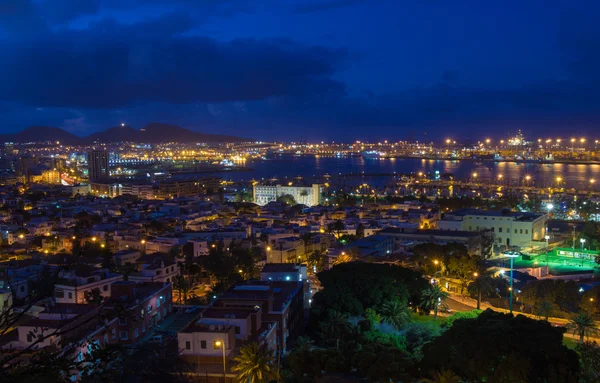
x,y
221,344
512,255
547,239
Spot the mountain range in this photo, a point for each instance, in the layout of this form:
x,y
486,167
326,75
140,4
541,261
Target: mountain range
x,y
152,133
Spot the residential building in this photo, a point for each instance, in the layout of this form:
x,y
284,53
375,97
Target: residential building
x,y
305,195
146,305
286,249
98,168
172,188
510,228
405,238
155,268
288,272
63,325
76,282
18,276
373,246
280,301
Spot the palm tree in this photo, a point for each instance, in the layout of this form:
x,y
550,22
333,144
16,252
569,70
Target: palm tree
x,y
482,284
444,376
433,298
583,325
181,285
255,365
317,260
545,309
336,228
334,327
395,313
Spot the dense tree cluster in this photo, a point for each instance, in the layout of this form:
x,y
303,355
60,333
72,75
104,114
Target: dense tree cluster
x,y
496,347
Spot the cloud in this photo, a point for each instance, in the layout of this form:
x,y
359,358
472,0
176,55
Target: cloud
x,y
20,18
63,11
321,6
114,66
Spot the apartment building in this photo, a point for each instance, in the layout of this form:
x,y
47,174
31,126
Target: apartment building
x,y
280,301
286,249
147,304
17,276
157,269
510,228
407,237
75,283
305,195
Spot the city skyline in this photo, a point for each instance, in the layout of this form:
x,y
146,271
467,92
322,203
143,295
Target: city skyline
x,y
378,69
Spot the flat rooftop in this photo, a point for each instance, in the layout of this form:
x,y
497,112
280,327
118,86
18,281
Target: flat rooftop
x,y
518,215
425,233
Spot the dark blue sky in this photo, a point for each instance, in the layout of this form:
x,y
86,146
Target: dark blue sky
x,y
320,69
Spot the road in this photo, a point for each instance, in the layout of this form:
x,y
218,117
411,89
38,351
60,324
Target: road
x,y
456,306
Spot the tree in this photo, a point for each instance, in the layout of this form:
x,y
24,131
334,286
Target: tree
x,y
418,334
433,298
354,286
589,356
287,199
373,317
334,327
182,286
461,315
444,376
93,297
498,347
565,295
336,228
360,230
545,309
255,365
395,312
317,260
127,269
583,325
463,268
482,285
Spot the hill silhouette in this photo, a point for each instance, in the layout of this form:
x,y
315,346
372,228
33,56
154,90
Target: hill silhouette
x,y
151,133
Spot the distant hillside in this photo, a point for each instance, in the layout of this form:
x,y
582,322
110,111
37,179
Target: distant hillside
x,y
156,132
42,134
151,133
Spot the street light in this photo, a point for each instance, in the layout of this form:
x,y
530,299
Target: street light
x,y
221,344
512,255
582,240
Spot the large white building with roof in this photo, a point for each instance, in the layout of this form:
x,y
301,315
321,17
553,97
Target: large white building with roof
x,y
510,228
304,195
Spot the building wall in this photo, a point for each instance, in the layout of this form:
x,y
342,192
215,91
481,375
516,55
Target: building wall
x,y
309,196
210,353
76,294
144,316
507,230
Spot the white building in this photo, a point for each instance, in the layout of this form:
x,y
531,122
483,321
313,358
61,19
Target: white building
x,y
73,285
509,228
305,195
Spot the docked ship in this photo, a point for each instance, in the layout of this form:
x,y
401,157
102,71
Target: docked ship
x,y
371,154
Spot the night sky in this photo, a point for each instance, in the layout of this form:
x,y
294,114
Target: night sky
x,y
314,69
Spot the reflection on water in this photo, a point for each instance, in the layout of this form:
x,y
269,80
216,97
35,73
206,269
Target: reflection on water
x,y
541,175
